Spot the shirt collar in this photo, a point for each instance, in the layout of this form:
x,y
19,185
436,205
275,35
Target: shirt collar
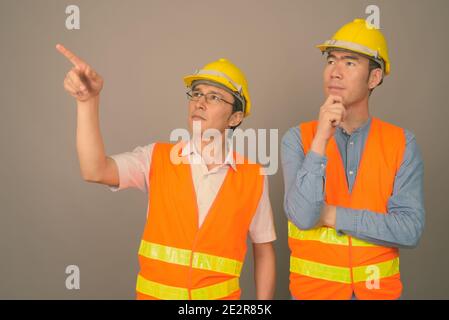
x,y
189,148
361,129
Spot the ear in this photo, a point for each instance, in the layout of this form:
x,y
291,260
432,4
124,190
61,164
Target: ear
x,y
235,119
375,78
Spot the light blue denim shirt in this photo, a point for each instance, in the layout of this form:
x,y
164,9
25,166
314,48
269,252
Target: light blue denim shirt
x,y
304,178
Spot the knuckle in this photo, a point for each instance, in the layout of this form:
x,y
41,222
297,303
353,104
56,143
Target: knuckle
x,y
72,75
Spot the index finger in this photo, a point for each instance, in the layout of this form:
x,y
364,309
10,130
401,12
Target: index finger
x,y
331,99
77,62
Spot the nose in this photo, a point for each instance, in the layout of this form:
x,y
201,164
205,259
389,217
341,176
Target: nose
x,y
336,71
200,103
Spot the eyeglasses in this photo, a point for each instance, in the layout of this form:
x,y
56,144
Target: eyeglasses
x,y
211,98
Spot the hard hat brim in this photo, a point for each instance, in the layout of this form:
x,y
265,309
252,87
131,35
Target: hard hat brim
x,y
357,49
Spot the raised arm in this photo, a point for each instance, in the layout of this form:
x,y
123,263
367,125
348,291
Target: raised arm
x,y
84,84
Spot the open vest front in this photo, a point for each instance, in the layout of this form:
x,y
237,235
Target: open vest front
x,y
180,260
325,264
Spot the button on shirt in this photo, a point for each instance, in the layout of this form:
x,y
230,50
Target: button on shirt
x,y
133,170
305,175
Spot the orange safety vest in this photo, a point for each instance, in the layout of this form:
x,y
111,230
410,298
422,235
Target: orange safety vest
x,y
178,259
327,265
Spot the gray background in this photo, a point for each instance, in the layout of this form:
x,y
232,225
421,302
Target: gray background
x,y
50,218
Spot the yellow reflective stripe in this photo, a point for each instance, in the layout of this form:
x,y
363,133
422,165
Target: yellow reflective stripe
x,y
324,235
362,243
161,291
200,260
165,253
216,291
218,264
320,271
376,271
342,274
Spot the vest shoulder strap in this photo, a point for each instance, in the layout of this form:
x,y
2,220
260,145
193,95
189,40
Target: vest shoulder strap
x,y
392,139
307,131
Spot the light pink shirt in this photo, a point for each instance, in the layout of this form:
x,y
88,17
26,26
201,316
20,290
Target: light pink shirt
x,y
134,167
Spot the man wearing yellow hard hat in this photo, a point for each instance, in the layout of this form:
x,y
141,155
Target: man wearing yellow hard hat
x,y
199,213
353,183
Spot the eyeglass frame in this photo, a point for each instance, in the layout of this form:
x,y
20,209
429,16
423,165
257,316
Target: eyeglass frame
x,y
191,98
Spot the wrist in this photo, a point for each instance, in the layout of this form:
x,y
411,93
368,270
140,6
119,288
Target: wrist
x,y
319,144
329,216
92,101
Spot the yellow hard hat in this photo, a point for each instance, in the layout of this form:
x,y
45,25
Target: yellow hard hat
x,y
224,73
361,37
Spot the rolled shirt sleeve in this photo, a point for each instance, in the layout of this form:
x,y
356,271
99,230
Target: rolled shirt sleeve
x,y
133,168
262,227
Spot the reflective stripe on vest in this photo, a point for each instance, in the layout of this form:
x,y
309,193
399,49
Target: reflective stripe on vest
x,y
161,291
343,274
325,235
200,260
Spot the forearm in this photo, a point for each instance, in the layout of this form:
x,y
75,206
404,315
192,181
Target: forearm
x,y
319,145
264,270
403,224
401,229
89,142
305,197
303,181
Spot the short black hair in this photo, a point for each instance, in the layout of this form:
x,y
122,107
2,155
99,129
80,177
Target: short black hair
x,y
236,107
